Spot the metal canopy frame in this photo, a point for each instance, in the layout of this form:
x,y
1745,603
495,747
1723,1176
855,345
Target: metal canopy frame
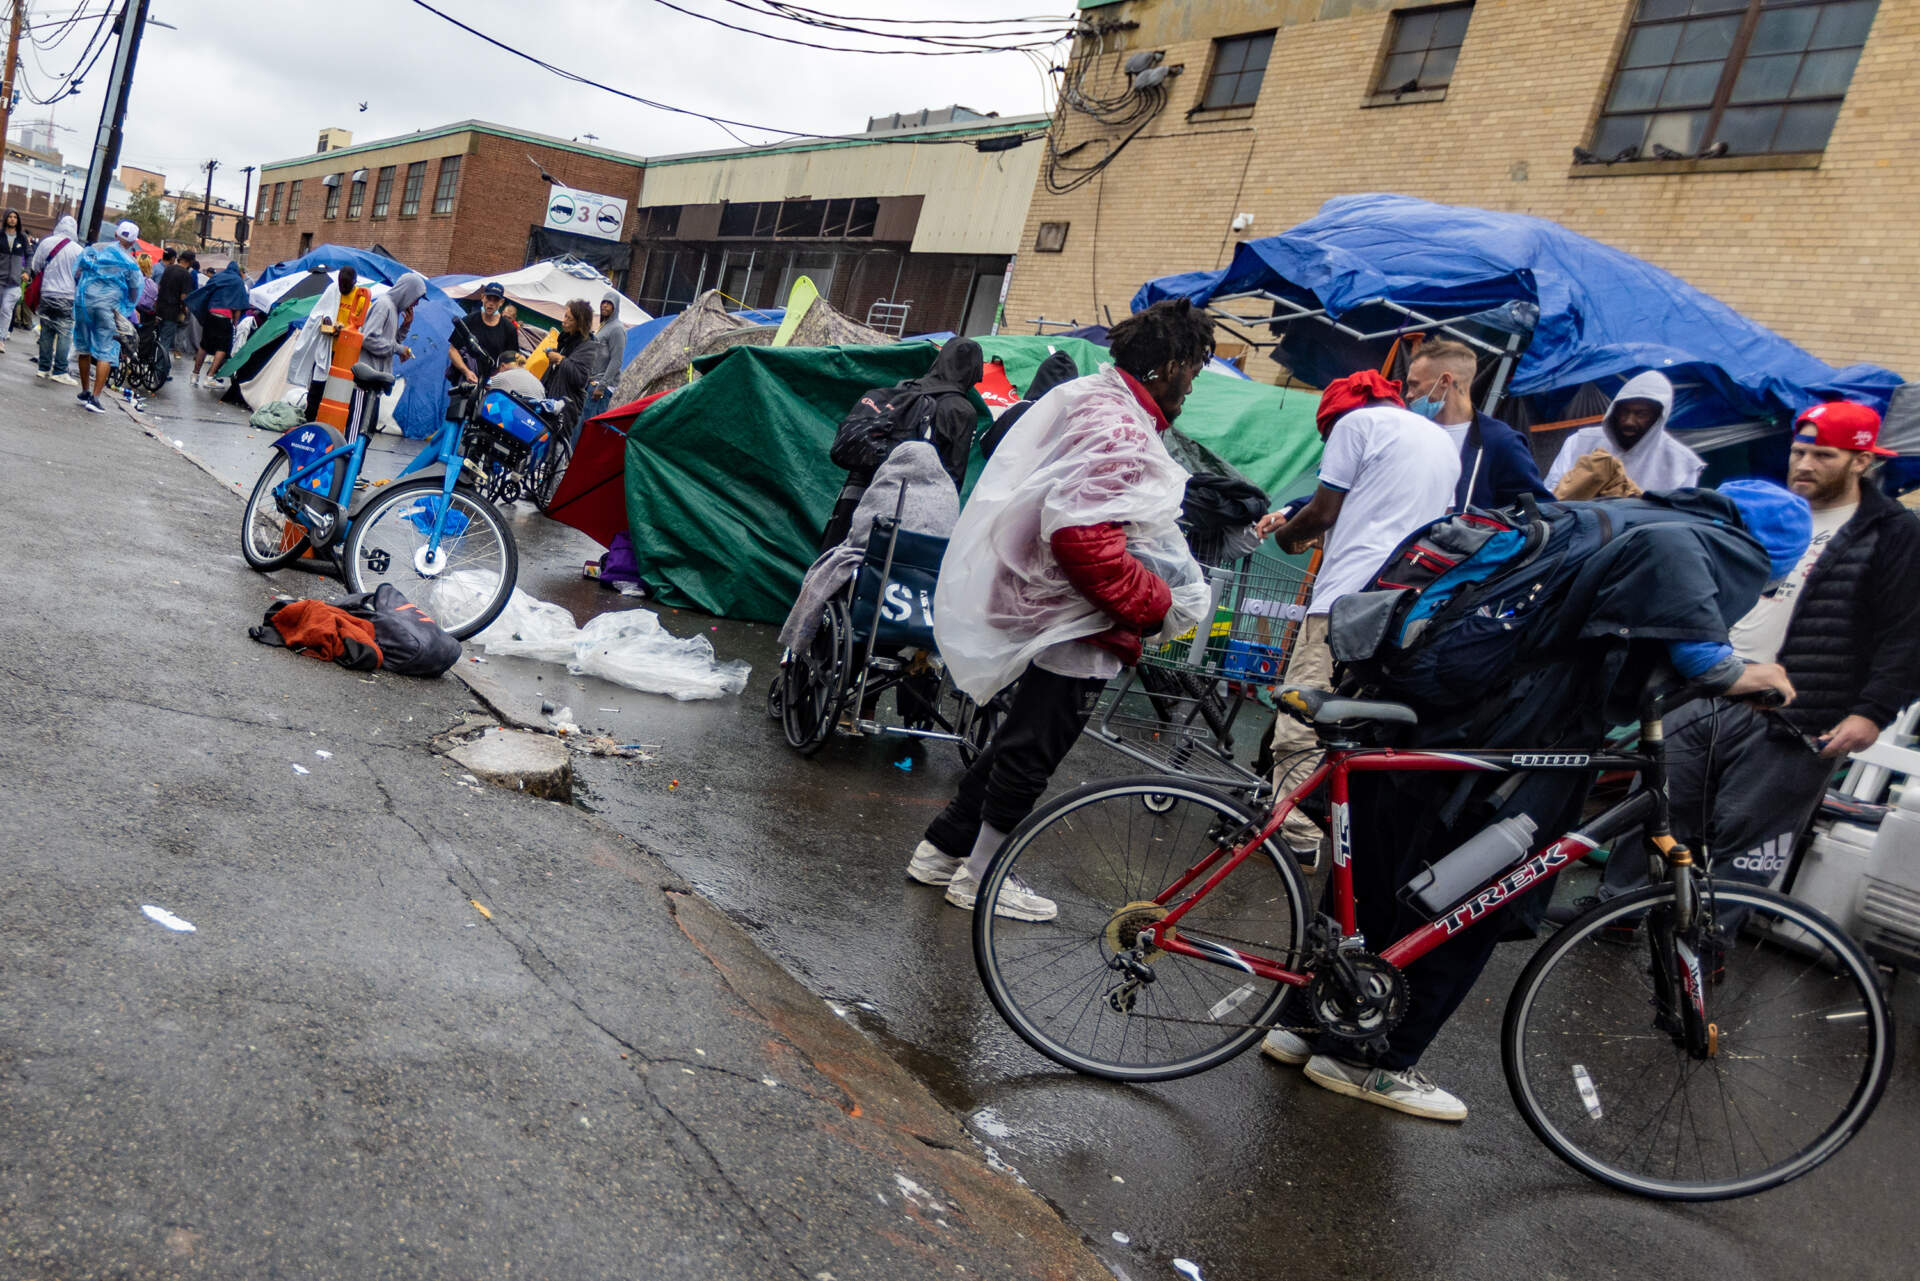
x,y
1288,310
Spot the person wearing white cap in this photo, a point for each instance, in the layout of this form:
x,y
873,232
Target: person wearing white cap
x,y
108,281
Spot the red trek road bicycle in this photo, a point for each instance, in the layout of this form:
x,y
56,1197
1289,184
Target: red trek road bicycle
x,y
1692,1040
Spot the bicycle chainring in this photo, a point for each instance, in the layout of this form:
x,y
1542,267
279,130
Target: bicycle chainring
x,y
1375,1010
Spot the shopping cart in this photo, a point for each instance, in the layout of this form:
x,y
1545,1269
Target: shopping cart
x,y
1175,712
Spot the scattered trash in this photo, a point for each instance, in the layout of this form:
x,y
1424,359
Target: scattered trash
x,y
1117,1179
1121,1238
1187,1268
325,756
583,1121
476,659
988,1122
301,769
770,1083
608,709
179,444
905,767
627,647
481,908
547,708
166,918
672,785
468,778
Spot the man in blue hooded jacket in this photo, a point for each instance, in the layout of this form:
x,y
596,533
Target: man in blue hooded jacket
x,y
1496,460
107,284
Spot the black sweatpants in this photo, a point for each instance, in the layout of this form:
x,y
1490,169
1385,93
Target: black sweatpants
x,y
1394,835
1742,788
1007,780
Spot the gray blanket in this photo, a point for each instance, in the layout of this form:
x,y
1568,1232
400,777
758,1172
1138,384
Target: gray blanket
x,y
932,507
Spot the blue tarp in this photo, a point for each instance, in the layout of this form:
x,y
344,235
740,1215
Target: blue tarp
x,y
1604,314
423,405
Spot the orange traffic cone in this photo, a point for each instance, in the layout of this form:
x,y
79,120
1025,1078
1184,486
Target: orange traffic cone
x,y
336,400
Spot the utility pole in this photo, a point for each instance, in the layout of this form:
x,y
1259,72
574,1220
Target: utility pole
x,y
240,224
206,209
113,115
6,72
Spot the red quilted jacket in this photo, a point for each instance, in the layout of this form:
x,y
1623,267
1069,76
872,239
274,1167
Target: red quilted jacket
x,y
1096,561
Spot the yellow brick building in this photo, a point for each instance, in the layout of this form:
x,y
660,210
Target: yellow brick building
x,y
1766,151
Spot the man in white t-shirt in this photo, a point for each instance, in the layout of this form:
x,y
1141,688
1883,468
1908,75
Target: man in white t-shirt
x,y
1385,472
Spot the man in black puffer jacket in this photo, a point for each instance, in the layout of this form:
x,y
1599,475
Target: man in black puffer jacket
x,y
1845,623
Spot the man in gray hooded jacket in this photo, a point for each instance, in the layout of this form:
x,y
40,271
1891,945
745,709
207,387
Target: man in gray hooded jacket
x,y
612,337
387,322
57,258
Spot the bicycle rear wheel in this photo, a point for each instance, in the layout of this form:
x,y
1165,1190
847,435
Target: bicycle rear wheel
x,y
552,469
1103,857
387,543
1798,1045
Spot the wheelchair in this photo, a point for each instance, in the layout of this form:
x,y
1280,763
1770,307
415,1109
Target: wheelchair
x,y
876,635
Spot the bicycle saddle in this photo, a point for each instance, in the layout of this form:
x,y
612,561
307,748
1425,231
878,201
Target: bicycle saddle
x,y
1317,707
365,375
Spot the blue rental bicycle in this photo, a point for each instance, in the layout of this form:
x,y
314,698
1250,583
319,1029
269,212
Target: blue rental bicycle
x,y
447,549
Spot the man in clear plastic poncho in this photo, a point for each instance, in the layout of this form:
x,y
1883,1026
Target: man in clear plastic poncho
x,y
1065,557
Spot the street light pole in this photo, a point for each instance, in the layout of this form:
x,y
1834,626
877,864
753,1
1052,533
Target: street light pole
x,y
113,116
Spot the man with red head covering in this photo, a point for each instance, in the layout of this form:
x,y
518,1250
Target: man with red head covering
x,y
1385,472
1845,624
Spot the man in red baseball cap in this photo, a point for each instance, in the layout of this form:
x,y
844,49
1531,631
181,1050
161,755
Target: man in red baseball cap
x,y
1844,623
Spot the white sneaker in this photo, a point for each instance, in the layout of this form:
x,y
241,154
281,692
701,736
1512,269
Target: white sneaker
x,y
1016,901
1286,1047
66,380
1410,1090
41,374
931,867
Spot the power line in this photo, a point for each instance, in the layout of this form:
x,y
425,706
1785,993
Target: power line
x,y
943,42
722,121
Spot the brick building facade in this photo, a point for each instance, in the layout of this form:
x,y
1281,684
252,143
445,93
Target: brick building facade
x,y
461,198
1804,220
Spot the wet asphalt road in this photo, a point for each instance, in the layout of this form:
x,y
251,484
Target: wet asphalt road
x,y
1249,1171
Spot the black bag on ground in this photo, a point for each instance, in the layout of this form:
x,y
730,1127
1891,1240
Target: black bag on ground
x,y
879,420
411,644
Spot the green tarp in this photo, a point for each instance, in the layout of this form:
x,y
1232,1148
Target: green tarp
x,y
286,314
728,483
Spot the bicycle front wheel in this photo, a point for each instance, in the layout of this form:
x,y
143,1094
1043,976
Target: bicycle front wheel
x,y
1108,861
466,585
268,539
1797,1043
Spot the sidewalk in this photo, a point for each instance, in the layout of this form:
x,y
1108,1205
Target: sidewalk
x,y
419,1029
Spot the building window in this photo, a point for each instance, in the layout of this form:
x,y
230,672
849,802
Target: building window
x,y
1239,64
332,209
410,197
1731,77
266,193
1052,238
662,222
356,198
293,200
1422,45
273,210
383,192
443,189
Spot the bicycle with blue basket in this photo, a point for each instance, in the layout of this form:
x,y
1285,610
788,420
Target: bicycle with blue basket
x,y
435,538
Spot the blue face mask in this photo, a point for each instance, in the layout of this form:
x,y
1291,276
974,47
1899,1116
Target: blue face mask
x,y
1430,405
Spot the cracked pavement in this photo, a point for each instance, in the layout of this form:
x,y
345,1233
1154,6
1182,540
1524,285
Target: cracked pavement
x,y
420,1029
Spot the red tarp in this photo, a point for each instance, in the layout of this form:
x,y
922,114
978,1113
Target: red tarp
x,y
593,494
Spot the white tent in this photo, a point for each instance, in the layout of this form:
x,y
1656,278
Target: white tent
x,y
547,287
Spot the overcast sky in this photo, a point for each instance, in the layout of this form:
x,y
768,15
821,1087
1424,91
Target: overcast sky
x,y
247,81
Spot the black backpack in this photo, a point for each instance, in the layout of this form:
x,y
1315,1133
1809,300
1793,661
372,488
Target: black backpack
x,y
881,419
1452,609
411,644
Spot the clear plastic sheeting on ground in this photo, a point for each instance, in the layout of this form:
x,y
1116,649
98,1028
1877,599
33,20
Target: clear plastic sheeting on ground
x,y
628,647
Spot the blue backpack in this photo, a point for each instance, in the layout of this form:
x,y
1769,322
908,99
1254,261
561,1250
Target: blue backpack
x,y
1450,612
